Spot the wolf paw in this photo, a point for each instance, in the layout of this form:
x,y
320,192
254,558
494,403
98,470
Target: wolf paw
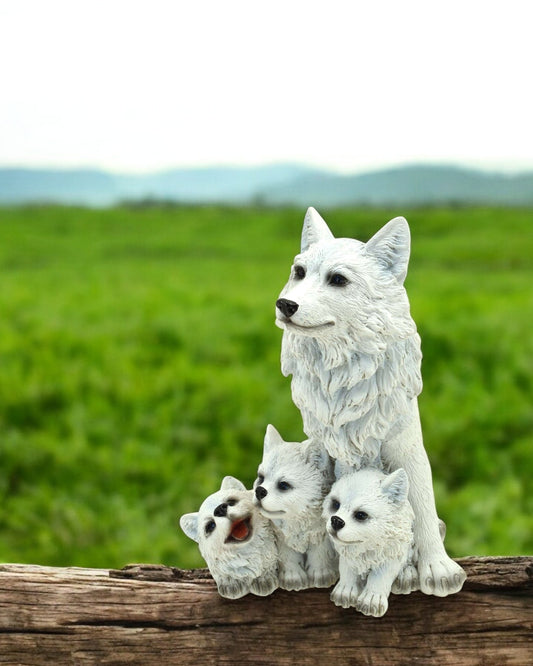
x,y
440,576
344,595
293,580
372,603
407,581
264,586
322,577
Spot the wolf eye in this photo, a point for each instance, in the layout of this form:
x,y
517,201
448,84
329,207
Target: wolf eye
x,y
299,272
283,486
335,505
337,280
210,526
360,516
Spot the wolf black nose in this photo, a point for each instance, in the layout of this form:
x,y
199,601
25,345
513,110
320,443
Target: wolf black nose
x,y
337,523
260,492
221,510
287,307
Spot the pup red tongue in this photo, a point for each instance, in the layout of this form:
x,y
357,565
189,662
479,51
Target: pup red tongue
x,y
240,530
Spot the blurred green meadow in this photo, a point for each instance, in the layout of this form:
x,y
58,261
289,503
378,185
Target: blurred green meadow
x,y
139,364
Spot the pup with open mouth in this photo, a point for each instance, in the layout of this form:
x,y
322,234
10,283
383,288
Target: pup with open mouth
x,y
235,540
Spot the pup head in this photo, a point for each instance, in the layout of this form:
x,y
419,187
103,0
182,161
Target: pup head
x,y
293,477
342,288
224,522
367,509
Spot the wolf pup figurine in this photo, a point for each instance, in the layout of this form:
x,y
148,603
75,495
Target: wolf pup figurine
x,y
237,543
354,354
370,522
293,479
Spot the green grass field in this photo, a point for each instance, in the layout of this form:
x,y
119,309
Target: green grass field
x,y
139,364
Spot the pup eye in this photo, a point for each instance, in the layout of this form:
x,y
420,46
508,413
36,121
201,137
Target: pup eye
x,y
283,486
335,505
210,526
337,280
299,272
260,479
231,502
360,516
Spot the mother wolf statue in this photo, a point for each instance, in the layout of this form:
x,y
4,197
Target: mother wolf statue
x,y
352,349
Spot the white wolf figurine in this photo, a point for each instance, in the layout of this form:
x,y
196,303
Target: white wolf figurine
x,y
352,348
237,543
370,522
293,479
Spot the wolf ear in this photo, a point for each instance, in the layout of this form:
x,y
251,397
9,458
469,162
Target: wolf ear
x,y
231,483
189,524
391,247
396,486
272,438
315,229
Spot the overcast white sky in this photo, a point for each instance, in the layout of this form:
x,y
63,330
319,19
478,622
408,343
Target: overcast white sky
x,y
137,86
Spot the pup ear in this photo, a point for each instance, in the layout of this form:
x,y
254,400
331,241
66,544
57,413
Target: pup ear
x,y
317,456
391,247
396,486
231,483
189,524
272,438
315,229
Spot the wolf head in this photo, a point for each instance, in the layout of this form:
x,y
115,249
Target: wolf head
x,y
292,479
368,511
341,288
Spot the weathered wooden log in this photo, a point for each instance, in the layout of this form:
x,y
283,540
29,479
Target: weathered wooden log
x,y
146,614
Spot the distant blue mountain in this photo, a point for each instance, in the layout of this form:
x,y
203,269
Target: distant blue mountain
x,y
270,185
408,185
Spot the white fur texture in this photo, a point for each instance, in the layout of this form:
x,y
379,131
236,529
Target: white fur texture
x,y
293,479
238,567
354,354
370,522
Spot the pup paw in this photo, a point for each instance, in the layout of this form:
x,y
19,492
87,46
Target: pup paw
x,y
322,577
232,589
264,585
372,603
293,580
440,576
344,595
407,581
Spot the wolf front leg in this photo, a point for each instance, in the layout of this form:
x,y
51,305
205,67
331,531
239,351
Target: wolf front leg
x,y
322,563
292,574
346,593
374,599
438,573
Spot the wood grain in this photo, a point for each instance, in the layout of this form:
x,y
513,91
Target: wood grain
x,y
148,614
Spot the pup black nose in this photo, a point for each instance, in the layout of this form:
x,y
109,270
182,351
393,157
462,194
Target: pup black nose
x,y
260,492
287,307
337,523
221,510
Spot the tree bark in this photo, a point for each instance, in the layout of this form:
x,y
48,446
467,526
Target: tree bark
x,y
149,614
